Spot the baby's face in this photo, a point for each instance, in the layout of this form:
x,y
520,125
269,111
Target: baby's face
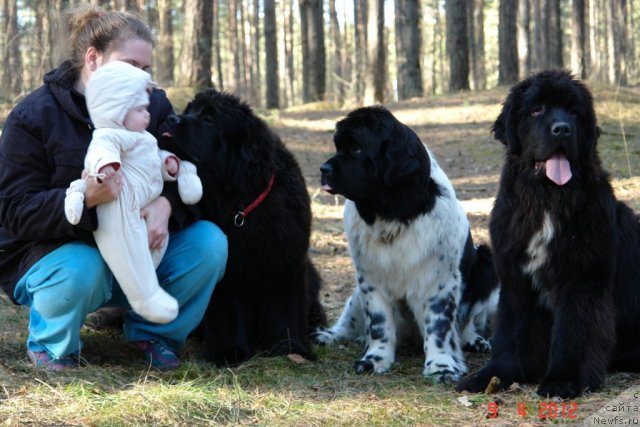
x,y
137,119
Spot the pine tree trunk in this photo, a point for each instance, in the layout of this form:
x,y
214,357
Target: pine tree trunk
x,y
578,39
360,48
217,50
12,60
376,54
508,43
163,71
525,38
457,44
271,54
408,48
475,20
311,13
541,30
256,72
554,41
338,80
234,49
287,30
195,60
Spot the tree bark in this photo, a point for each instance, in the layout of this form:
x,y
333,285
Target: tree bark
x,y
375,76
163,71
12,61
195,59
457,44
475,19
554,41
271,54
408,48
507,41
525,38
311,13
338,80
578,39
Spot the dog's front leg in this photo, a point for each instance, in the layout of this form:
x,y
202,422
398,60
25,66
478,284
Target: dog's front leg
x,y
349,326
444,360
380,331
582,341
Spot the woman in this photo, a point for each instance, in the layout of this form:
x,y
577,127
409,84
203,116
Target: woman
x,y
54,267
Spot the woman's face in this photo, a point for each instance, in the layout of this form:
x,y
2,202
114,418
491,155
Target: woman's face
x,y
136,52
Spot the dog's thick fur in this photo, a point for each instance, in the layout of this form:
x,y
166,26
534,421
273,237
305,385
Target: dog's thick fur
x,y
566,252
410,243
267,300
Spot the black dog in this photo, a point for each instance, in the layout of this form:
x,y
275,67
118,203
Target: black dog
x,y
255,192
567,253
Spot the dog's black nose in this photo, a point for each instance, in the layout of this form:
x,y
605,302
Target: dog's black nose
x,y
326,169
172,119
560,129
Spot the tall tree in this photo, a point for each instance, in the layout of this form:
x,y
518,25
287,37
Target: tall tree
x,y
287,34
195,58
507,42
217,49
256,73
338,80
164,52
408,48
271,53
360,48
540,35
313,51
475,21
375,76
554,40
525,38
235,66
12,60
457,44
579,38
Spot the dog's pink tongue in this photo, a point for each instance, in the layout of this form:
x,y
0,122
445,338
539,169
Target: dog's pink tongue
x,y
326,187
558,169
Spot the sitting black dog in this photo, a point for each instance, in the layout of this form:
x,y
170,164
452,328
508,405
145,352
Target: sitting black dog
x,y
566,251
254,191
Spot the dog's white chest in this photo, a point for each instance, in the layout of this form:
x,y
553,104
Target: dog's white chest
x,y
538,252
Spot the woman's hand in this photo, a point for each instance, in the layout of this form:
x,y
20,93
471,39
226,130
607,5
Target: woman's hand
x,y
156,214
104,192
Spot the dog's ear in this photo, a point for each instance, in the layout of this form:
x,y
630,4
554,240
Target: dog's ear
x,y
402,157
505,128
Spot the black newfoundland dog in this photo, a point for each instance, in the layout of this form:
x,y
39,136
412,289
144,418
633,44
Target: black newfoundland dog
x,y
418,275
567,253
254,191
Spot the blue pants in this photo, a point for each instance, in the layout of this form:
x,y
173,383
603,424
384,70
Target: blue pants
x,y
73,280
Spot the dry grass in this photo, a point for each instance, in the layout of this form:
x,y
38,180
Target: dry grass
x,y
115,388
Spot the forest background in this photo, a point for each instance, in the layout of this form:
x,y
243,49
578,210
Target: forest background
x,y
276,54
443,68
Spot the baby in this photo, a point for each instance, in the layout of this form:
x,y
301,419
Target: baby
x,y
117,96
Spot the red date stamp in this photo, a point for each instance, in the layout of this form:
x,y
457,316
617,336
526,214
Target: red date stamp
x,y
545,410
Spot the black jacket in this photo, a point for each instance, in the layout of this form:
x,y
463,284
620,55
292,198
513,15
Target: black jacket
x,y
42,149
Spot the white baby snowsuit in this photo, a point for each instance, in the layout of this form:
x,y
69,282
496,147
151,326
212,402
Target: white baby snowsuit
x,y
111,92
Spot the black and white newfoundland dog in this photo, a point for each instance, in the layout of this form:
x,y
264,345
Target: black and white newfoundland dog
x,y
267,301
566,252
418,274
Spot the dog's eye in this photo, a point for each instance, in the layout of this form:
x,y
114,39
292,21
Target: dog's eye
x,y
537,110
355,149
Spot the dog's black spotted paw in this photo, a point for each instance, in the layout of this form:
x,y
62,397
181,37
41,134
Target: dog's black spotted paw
x,y
363,367
562,389
479,345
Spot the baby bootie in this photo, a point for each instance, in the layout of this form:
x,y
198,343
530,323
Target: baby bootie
x,y
74,201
